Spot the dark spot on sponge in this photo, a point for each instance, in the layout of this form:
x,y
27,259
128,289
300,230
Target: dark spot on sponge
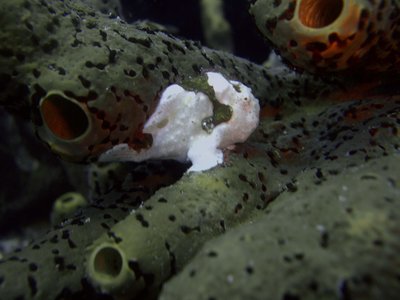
x,y
32,285
86,83
50,46
33,267
142,221
187,230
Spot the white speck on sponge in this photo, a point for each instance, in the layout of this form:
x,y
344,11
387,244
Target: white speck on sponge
x,y
176,125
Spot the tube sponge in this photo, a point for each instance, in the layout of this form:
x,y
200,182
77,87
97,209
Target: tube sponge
x,y
332,35
156,240
81,128
66,205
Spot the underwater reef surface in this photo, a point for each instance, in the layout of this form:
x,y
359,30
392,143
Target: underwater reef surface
x,y
332,233
306,208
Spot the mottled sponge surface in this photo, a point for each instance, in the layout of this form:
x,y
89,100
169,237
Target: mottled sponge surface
x,y
306,208
52,266
334,240
89,80
310,199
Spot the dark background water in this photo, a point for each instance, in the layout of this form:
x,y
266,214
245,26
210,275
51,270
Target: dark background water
x,y
185,16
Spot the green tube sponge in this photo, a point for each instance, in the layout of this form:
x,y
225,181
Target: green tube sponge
x,y
91,81
332,35
217,30
318,242
66,205
324,139
53,265
155,242
332,226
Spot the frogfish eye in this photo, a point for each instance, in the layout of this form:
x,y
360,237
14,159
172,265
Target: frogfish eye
x,y
63,116
319,13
